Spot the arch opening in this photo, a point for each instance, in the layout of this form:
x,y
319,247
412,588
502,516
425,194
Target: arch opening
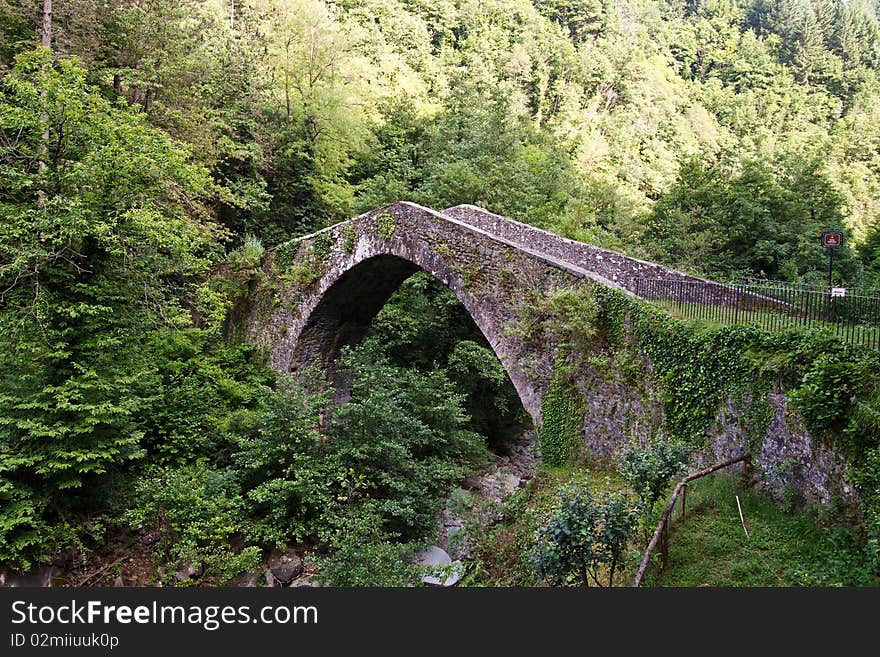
x,y
420,322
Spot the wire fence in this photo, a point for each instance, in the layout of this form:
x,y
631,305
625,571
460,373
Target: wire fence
x,y
851,314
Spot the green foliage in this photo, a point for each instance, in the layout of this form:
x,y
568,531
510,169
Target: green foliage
x,y
444,251
586,539
304,261
285,254
364,556
101,228
405,433
398,445
490,399
756,420
249,255
349,238
425,326
385,224
565,316
648,470
199,389
288,479
612,308
720,223
560,433
322,243
23,529
195,510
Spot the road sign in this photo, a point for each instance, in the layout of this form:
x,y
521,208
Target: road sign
x,y
832,239
838,291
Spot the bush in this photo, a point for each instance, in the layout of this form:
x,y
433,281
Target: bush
x,y
290,477
586,539
405,433
365,555
249,255
649,469
196,511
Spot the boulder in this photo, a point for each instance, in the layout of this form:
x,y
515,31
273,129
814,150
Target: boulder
x,y
245,580
439,567
286,567
189,571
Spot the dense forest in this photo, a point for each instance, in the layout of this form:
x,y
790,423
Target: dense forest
x,y
152,150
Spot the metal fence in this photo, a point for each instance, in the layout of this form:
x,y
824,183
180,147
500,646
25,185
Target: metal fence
x,y
852,314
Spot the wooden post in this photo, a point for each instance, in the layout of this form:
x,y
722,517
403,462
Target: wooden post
x,y
684,492
664,547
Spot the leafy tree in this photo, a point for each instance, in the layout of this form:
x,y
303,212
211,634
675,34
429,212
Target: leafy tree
x,y
101,227
404,433
289,476
753,222
424,326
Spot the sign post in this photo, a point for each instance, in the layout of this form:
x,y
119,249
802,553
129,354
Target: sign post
x,y
831,240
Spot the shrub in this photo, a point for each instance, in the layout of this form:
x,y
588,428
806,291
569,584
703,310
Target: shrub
x,y
586,539
196,510
249,255
364,555
288,476
649,469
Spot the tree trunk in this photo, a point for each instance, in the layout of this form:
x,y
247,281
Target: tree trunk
x,y
46,42
46,32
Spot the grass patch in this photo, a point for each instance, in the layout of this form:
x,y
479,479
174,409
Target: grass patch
x,y
706,548
709,547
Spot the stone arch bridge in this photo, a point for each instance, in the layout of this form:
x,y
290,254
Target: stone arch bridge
x,y
328,286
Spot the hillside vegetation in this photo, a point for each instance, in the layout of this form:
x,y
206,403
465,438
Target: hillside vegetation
x,y
150,152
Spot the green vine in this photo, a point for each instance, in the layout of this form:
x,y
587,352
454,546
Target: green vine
x,y
756,419
561,415
443,251
322,245
285,254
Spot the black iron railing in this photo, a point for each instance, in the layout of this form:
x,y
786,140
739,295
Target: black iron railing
x,y
851,314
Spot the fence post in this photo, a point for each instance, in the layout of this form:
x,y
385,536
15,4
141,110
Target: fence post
x,y
735,321
664,547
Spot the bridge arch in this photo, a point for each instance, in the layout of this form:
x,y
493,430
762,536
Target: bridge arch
x,y
318,293
325,289
337,309
321,291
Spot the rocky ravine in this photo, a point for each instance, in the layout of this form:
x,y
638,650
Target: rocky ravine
x,y
480,496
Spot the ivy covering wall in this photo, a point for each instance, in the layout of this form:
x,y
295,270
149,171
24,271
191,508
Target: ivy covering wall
x,y
695,367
